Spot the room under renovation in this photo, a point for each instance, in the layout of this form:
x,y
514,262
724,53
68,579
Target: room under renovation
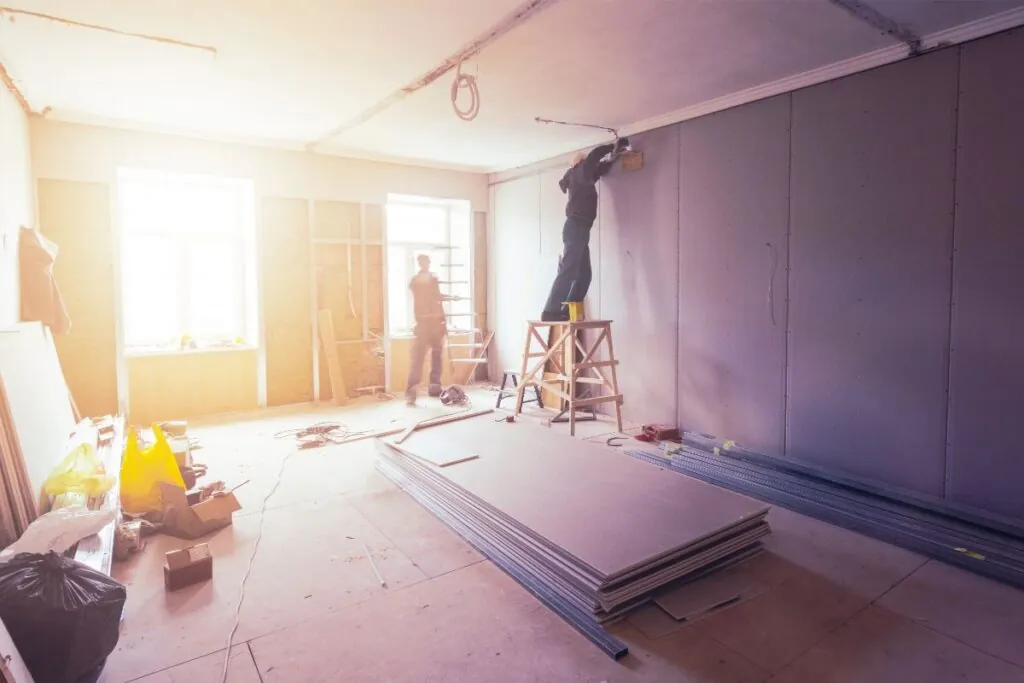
x,y
509,341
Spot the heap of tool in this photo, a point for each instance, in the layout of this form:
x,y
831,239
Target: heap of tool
x,y
590,532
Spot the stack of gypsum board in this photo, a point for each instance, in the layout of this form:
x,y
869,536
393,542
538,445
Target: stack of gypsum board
x,y
992,547
598,531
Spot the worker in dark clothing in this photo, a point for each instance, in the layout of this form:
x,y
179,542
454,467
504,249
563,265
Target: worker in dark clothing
x,y
579,182
430,330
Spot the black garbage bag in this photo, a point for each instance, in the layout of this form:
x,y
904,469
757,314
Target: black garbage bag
x,y
63,616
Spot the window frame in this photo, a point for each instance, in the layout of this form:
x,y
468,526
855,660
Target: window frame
x,y
412,248
240,240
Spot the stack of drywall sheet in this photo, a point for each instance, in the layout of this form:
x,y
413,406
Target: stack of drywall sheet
x,y
598,531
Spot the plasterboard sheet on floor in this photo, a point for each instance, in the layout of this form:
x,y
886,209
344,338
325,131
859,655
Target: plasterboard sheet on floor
x,y
622,495
583,597
710,594
428,445
544,556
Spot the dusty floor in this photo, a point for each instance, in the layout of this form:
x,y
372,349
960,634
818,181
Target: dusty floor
x,y
841,608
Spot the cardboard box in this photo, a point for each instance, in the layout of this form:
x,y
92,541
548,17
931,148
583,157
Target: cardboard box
x,y
174,428
187,566
193,521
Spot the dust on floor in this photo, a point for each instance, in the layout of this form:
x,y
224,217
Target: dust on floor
x,y
839,607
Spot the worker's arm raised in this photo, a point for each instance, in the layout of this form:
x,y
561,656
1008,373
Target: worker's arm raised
x,y
593,161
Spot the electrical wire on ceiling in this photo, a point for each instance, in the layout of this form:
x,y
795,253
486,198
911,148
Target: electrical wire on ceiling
x,y
613,131
468,82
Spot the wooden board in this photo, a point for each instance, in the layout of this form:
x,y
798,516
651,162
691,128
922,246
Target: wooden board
x,y
77,216
329,348
286,280
523,470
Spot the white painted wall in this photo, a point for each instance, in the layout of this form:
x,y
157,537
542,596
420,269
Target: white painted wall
x,y
526,219
70,151
17,206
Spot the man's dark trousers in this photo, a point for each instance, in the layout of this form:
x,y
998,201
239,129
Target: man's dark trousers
x,y
426,337
574,274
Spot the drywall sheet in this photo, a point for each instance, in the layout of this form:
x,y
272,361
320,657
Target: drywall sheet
x,y
286,300
638,272
77,217
733,225
870,250
986,388
514,258
38,396
522,476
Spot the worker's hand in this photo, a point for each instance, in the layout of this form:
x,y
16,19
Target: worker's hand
x,y
620,145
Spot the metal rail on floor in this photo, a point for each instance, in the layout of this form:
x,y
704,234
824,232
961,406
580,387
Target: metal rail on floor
x,y
988,551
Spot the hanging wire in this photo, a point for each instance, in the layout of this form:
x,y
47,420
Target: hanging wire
x,y
469,82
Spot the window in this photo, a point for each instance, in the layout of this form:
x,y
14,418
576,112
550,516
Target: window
x,y
188,257
441,229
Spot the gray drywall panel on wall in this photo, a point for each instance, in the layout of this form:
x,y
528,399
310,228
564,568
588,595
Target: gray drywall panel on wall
x,y
516,248
733,220
637,271
870,251
985,467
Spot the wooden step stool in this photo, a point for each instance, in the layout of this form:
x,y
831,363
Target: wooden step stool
x,y
570,372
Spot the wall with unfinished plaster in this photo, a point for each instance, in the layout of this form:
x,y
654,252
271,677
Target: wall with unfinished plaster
x,y
831,276
16,202
75,168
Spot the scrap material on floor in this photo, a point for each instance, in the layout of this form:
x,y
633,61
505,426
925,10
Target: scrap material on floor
x,y
589,532
988,547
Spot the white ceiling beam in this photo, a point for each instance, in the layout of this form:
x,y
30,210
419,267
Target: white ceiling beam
x,y
872,17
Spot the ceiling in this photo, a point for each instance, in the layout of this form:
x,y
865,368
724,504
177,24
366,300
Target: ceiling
x,y
288,74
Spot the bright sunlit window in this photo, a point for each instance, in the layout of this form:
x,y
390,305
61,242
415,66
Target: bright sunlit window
x,y
441,229
187,260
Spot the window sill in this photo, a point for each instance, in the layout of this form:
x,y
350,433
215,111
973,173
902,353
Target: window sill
x,y
148,353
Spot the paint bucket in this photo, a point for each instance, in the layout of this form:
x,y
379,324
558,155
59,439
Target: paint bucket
x,y
575,310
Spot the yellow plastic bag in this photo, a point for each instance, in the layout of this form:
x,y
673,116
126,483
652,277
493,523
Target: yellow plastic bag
x,y
142,470
80,472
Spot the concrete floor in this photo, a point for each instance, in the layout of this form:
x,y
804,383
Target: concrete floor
x,y
841,608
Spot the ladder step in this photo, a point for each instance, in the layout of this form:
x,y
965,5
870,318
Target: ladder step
x,y
461,315
453,282
581,402
597,364
475,345
579,380
476,361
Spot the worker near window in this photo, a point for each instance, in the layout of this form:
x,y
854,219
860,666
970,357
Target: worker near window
x,y
430,330
580,183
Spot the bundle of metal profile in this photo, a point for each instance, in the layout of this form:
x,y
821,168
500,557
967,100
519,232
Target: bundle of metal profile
x,y
589,532
955,536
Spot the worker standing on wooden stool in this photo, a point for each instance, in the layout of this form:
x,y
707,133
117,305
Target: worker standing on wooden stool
x,y
580,183
430,330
